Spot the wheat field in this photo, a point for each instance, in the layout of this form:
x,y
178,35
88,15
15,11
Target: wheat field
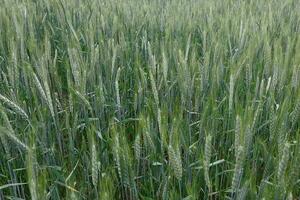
x,y
149,99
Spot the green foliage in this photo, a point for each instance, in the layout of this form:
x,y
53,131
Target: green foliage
x,y
139,99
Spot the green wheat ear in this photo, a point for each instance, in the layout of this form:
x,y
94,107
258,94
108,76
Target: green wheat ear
x,y
137,147
95,163
175,161
238,169
283,161
31,172
207,158
13,106
238,134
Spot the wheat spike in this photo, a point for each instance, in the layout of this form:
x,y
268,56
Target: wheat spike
x,y
149,140
281,138
262,89
137,147
154,89
75,67
165,67
231,91
39,87
267,58
295,76
14,106
116,151
275,77
283,161
84,100
94,158
95,165
113,60
49,99
5,145
117,90
162,135
243,192
45,95
12,137
290,196
295,114
31,173
207,158
175,161
256,114
237,138
2,137
248,140
273,124
238,170
248,75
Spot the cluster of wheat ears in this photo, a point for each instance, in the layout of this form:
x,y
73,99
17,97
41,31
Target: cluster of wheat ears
x,y
149,99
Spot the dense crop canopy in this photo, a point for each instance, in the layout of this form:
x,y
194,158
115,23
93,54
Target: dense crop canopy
x,y
149,99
